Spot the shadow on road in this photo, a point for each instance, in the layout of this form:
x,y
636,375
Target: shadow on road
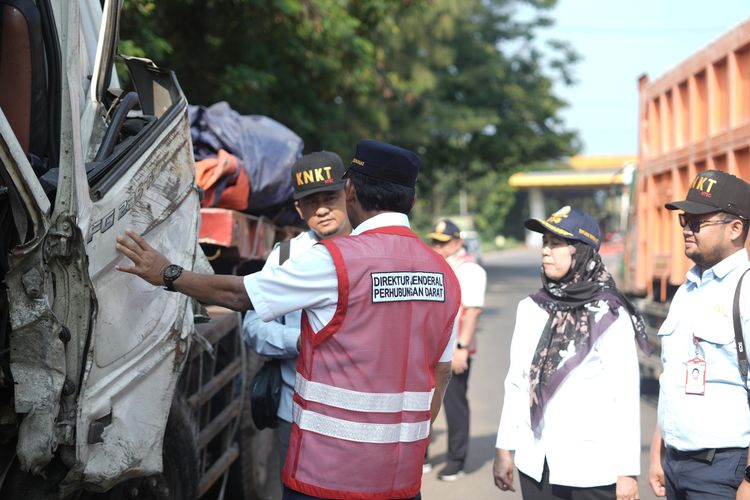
x,y
481,451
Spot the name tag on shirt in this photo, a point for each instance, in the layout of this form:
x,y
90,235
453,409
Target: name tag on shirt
x,y
695,377
407,286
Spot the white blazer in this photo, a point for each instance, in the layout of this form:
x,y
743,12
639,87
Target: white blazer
x,y
590,433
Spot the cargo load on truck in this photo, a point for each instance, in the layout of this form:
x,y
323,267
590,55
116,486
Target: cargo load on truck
x,y
262,151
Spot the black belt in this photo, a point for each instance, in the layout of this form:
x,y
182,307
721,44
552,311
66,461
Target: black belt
x,y
705,455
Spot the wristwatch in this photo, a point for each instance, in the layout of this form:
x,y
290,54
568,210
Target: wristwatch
x,y
459,345
747,473
169,275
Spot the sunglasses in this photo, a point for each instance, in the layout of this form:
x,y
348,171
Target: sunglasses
x,y
695,224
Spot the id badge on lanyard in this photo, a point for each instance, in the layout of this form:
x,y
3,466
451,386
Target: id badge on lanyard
x,y
695,373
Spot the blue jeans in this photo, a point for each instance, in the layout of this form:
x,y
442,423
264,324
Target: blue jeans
x,y
693,477
295,495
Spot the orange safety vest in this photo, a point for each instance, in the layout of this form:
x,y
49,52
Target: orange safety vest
x,y
366,380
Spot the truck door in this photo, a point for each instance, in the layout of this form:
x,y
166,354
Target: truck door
x,y
131,165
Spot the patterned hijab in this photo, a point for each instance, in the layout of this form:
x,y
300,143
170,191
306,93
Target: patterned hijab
x,y
577,318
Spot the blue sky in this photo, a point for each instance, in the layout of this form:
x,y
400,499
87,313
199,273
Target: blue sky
x,y
621,39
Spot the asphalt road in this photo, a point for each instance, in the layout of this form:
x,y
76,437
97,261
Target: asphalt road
x,y
511,276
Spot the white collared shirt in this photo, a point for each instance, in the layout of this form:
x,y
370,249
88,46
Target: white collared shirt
x,y
309,282
702,307
591,428
471,277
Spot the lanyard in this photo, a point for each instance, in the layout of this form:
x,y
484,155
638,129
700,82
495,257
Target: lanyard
x,y
698,348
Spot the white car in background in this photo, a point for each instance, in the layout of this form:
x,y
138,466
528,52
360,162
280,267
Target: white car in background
x,y
473,244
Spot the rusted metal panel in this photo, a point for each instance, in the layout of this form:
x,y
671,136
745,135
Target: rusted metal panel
x,y
252,237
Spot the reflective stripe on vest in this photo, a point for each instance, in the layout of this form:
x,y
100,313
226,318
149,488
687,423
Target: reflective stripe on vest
x,y
362,401
405,432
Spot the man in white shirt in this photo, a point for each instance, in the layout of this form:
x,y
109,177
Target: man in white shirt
x,y
446,240
699,448
320,202
345,455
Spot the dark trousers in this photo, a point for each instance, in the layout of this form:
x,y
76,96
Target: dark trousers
x,y
532,490
283,433
457,414
295,495
703,475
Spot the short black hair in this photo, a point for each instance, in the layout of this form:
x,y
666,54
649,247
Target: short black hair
x,y
377,194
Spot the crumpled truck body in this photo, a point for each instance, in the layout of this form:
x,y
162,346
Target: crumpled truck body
x,y
95,353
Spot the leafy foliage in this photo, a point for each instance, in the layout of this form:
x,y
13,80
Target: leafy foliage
x,y
463,82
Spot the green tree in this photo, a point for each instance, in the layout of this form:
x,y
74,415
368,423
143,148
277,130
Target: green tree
x,y
465,83
473,93
307,63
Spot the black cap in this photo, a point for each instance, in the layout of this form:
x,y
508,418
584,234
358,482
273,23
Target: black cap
x,y
570,223
715,191
317,172
387,162
445,230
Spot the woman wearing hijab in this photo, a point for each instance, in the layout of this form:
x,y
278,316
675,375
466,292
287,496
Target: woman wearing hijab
x,y
571,408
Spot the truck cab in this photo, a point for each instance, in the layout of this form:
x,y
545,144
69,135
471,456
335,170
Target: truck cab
x,y
89,357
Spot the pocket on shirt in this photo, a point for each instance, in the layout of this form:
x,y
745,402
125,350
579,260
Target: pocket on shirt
x,y
716,328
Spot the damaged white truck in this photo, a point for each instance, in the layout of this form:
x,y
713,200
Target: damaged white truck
x,y
104,391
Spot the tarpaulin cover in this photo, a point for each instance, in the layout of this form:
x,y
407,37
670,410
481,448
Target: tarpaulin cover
x,y
266,147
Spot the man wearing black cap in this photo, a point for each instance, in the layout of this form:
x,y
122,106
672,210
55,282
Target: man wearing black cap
x,y
376,341
700,444
320,202
446,240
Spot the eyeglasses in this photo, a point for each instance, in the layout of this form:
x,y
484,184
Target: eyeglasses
x,y
695,225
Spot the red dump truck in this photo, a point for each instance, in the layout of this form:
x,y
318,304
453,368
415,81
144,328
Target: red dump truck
x,y
693,118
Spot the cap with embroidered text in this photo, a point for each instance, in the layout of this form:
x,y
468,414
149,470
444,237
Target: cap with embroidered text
x,y
445,230
570,223
317,172
387,162
715,191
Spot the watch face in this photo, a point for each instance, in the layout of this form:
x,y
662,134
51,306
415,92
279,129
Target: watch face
x,y
172,272
747,473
